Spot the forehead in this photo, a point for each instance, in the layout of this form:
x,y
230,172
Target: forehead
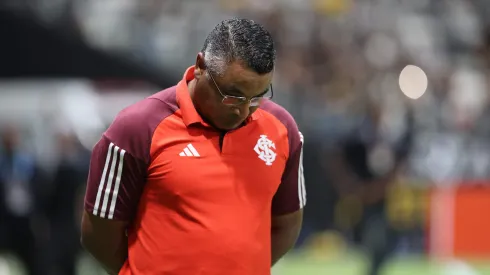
x,y
245,80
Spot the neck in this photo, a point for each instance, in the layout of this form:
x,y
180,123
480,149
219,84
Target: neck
x,y
191,85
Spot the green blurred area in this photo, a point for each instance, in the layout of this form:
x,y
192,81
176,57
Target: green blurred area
x,y
303,264
355,265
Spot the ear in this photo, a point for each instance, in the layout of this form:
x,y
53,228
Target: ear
x,y
200,65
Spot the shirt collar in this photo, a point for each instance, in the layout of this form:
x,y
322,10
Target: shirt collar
x,y
189,113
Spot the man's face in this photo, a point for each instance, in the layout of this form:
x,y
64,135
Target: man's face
x,y
236,81
10,138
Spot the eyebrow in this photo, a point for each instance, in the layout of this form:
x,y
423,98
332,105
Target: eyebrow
x,y
236,92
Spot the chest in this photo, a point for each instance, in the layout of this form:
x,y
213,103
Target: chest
x,y
244,166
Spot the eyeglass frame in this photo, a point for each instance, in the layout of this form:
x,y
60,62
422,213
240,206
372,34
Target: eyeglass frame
x,y
243,99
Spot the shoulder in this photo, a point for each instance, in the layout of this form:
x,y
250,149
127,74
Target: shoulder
x,y
282,116
133,127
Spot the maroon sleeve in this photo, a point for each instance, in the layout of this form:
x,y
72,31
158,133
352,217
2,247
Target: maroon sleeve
x,y
291,194
115,180
119,162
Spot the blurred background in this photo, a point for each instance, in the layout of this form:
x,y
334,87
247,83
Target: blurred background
x,y
392,97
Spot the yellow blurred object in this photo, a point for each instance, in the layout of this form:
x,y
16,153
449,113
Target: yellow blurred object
x,y
406,205
400,206
348,212
332,6
326,245
235,5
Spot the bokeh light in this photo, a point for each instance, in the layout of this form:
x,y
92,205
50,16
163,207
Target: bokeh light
x,y
413,81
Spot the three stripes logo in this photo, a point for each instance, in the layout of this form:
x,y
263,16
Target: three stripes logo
x,y
301,176
189,151
105,202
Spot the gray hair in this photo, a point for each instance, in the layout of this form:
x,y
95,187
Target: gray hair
x,y
215,63
239,40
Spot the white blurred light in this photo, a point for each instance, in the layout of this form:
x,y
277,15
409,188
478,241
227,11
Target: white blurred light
x,y
4,266
381,160
468,93
458,267
381,50
413,81
78,106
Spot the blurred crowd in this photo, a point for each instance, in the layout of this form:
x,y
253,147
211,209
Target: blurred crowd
x,y
337,72
336,59
40,211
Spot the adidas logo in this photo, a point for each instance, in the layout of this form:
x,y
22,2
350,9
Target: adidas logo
x,y
189,151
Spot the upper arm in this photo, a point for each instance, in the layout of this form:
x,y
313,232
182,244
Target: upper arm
x,y
102,229
120,160
115,183
291,194
290,220
116,179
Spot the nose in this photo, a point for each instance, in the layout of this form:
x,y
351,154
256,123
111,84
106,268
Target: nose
x,y
242,110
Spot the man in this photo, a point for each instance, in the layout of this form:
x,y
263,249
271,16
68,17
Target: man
x,y
362,167
63,207
202,178
20,201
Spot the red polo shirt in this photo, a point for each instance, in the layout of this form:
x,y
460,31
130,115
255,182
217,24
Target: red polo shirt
x,y
195,207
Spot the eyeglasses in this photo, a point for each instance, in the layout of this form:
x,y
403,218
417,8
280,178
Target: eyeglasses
x,y
231,100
